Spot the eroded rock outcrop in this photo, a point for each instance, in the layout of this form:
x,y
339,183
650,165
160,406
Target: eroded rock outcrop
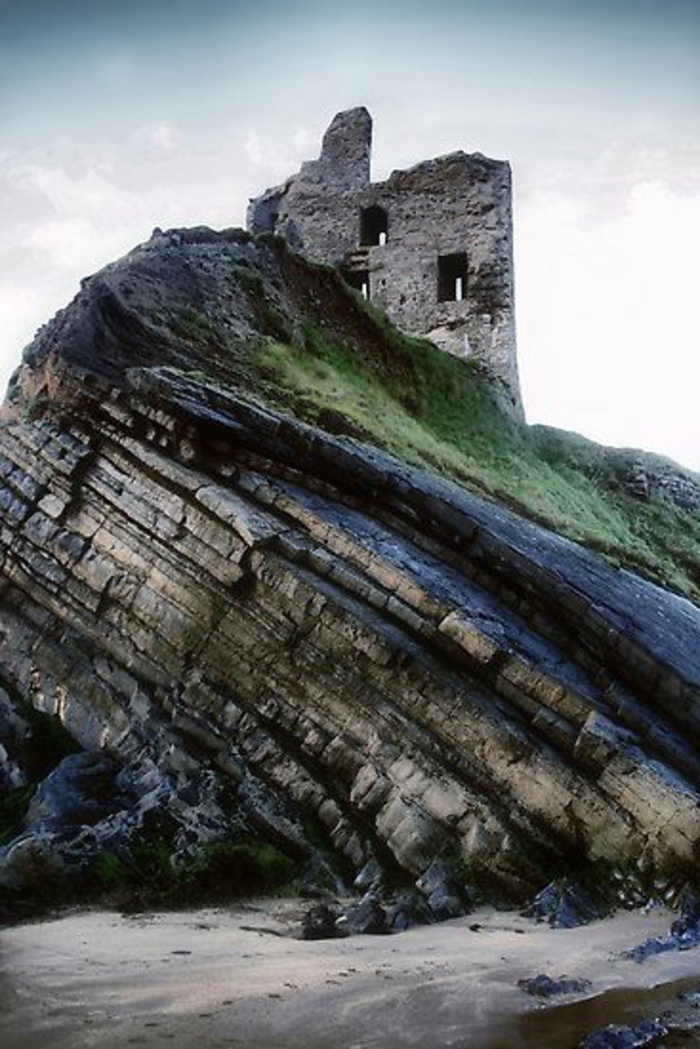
x,y
201,586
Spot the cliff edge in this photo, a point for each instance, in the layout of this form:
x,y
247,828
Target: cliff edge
x,y
258,623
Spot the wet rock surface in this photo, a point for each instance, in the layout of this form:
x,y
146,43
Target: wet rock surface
x,y
321,923
684,932
566,905
544,986
406,910
617,1036
281,631
90,808
368,917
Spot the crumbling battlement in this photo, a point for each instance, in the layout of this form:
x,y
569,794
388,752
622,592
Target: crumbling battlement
x,y
431,245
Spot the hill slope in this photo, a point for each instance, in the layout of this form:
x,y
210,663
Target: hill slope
x,y
282,631
243,315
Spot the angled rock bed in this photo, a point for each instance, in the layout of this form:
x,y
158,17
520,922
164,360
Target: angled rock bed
x,y
373,663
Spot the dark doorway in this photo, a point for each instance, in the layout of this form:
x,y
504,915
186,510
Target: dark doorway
x,y
374,226
452,277
358,279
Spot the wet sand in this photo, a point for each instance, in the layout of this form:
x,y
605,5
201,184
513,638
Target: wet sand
x,y
234,977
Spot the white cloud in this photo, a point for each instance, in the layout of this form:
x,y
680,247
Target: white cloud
x,y
22,309
161,135
74,243
281,156
253,149
605,312
69,194
301,140
165,137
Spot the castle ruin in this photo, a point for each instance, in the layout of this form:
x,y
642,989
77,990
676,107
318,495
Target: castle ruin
x,y
431,245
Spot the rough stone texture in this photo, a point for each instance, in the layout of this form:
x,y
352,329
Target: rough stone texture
x,y
544,986
15,741
456,204
203,588
565,906
645,475
367,917
646,1034
89,805
319,923
684,932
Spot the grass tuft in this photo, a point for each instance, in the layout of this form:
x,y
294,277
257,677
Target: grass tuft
x,y
223,870
436,410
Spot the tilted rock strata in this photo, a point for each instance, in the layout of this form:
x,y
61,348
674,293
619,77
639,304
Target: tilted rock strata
x,y
195,582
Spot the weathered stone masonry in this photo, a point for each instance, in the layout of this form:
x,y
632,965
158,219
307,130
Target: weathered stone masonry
x,y
431,245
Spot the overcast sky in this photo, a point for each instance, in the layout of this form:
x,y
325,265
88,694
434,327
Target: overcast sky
x,y
116,117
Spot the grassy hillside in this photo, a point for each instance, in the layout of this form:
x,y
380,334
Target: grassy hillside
x,y
249,315
435,410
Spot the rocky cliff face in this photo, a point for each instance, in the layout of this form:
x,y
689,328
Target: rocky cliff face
x,y
276,628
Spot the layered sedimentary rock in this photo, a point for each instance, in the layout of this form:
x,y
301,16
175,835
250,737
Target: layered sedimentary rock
x,y
200,586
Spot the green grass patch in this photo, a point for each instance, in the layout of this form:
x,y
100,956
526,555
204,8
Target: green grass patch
x,y
13,809
435,410
222,871
193,325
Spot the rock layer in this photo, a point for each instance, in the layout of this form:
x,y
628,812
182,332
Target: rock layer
x,y
199,585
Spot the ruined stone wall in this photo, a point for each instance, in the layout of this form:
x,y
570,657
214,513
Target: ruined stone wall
x,y
459,204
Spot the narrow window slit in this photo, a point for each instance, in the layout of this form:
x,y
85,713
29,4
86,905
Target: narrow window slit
x,y
374,226
358,279
452,277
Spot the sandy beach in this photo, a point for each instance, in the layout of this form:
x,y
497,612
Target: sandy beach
x,y
236,977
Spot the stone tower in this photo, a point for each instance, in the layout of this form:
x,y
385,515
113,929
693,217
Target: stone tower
x,y
431,245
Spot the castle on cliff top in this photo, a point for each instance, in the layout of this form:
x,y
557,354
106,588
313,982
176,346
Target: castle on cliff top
x,y
432,245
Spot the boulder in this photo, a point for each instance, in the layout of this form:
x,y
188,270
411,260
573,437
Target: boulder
x,y
646,1034
683,934
544,986
367,917
84,789
320,923
408,909
565,905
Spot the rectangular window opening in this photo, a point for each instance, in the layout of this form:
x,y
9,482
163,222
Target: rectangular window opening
x,y
452,277
374,226
358,279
